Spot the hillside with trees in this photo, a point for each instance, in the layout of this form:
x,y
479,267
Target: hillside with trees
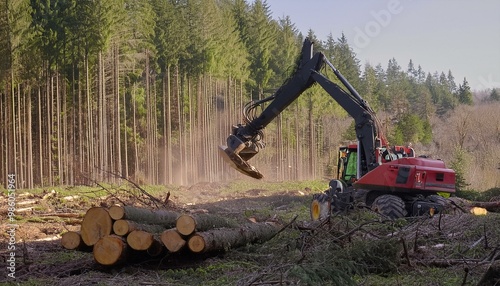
x,y
147,90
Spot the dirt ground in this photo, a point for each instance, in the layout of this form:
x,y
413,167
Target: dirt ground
x,y
459,246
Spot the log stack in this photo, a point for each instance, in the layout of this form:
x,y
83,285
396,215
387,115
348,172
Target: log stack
x,y
122,234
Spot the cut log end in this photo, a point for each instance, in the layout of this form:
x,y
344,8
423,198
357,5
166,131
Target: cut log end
x,y
196,244
71,240
117,212
96,224
140,240
185,224
121,227
172,240
110,250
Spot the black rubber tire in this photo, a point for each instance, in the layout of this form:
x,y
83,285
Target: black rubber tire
x,y
320,207
439,200
390,206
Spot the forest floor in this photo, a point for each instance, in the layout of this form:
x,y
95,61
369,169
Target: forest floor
x,y
354,248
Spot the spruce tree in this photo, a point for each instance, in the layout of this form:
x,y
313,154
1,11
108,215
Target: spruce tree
x,y
464,93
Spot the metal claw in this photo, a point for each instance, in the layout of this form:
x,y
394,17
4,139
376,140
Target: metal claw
x,y
240,165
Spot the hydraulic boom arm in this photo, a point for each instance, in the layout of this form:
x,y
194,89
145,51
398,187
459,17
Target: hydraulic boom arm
x,y
245,140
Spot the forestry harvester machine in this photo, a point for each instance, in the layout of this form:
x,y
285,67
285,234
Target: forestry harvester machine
x,y
389,180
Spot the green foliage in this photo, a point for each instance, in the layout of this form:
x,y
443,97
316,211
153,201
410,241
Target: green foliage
x,y
283,61
458,164
486,196
426,135
494,95
344,59
125,48
350,133
169,29
337,264
439,276
372,88
471,195
464,93
412,128
15,36
441,94
260,42
491,193
374,256
319,274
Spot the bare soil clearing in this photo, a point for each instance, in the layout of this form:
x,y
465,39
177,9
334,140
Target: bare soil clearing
x,y
355,248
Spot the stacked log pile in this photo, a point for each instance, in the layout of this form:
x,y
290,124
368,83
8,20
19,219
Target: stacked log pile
x,y
123,233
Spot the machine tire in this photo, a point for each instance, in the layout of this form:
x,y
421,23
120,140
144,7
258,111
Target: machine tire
x,y
439,200
320,207
390,206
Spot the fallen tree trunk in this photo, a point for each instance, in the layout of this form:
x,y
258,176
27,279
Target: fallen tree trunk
x,y
96,224
110,250
158,217
172,240
468,206
489,206
187,224
225,238
123,227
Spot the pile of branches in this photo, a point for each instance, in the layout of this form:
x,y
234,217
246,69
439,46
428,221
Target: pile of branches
x,y
365,243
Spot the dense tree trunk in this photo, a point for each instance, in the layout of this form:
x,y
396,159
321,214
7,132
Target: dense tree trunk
x,y
29,142
168,138
91,134
40,138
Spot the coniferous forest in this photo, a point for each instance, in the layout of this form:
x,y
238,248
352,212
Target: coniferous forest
x,y
147,90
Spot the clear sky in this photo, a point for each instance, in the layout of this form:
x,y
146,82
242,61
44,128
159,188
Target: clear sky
x,y
440,35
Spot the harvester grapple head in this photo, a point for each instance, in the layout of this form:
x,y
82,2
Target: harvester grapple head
x,y
240,165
